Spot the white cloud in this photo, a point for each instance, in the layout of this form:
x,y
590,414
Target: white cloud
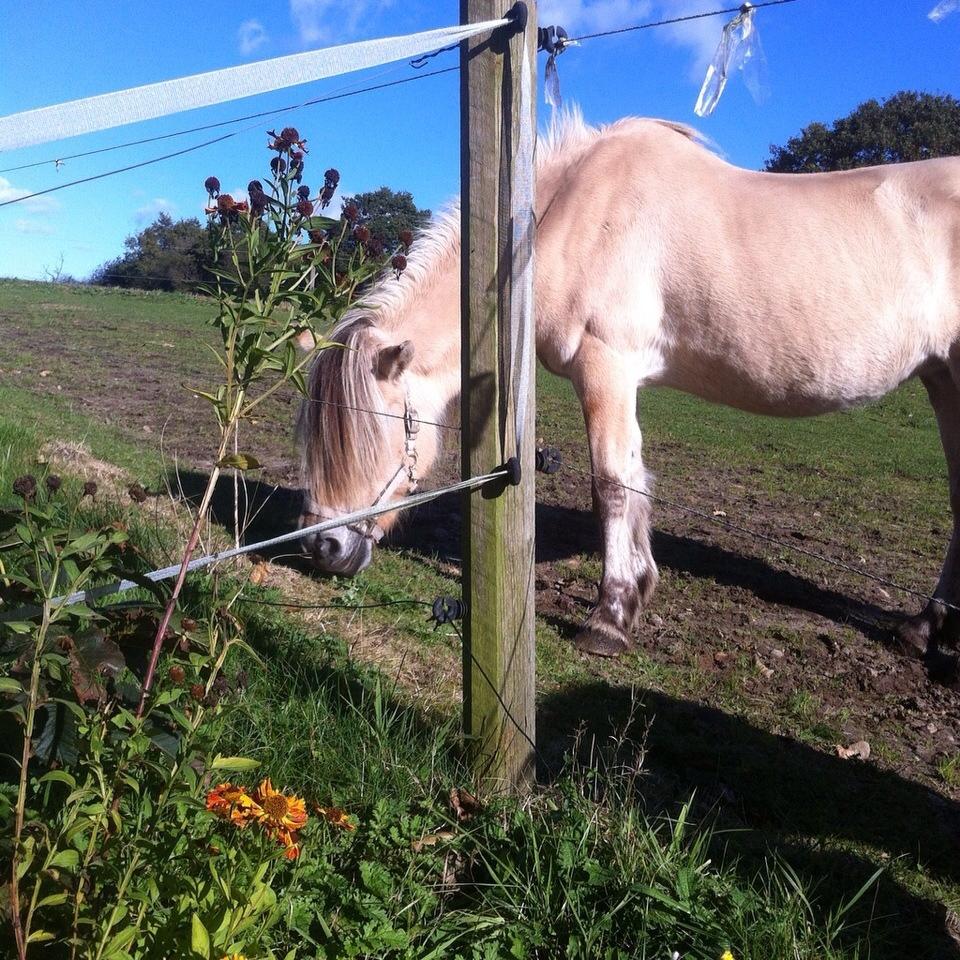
x,y
150,211
45,204
38,228
593,16
700,37
319,21
251,35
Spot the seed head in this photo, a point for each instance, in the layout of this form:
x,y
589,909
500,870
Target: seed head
x,y
406,238
212,186
137,493
303,192
305,208
331,178
90,488
352,212
177,674
25,486
361,233
317,236
197,691
278,165
399,264
53,483
225,203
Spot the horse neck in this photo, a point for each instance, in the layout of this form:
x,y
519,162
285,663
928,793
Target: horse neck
x,y
431,321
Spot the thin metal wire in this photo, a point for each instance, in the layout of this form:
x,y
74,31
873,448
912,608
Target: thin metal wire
x,y
226,136
222,123
673,20
382,413
496,693
755,534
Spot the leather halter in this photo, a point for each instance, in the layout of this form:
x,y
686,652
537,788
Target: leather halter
x,y
369,528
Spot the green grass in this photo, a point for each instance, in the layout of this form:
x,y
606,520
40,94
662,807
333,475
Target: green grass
x,y
359,738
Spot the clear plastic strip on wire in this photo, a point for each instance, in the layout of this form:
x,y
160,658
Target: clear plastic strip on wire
x,y
739,49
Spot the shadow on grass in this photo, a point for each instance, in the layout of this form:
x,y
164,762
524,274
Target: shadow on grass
x,y
768,795
433,531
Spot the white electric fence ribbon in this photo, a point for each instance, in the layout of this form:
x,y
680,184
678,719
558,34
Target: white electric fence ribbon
x,y
523,216
405,503
108,110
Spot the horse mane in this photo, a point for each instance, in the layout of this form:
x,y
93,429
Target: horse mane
x,y
569,134
337,426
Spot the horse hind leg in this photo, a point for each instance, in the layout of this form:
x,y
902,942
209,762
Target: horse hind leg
x,y
629,574
940,621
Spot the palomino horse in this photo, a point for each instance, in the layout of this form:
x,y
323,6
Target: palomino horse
x,y
659,263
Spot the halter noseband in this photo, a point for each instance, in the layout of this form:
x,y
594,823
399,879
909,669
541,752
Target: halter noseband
x,y
369,528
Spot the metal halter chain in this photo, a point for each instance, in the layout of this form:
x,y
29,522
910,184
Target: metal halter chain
x,y
369,528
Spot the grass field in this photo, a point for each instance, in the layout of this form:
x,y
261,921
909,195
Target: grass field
x,y
754,662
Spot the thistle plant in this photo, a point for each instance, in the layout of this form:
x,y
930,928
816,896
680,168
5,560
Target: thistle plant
x,y
113,848
282,272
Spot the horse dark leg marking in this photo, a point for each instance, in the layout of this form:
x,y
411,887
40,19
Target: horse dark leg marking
x,y
609,400
923,633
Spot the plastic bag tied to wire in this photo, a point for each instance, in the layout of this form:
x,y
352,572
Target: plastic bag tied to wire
x,y
943,9
554,40
739,49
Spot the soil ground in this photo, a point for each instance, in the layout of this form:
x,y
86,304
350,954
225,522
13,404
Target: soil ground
x,y
754,662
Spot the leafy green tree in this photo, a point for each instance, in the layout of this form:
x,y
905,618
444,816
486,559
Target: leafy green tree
x,y
906,126
167,255
387,213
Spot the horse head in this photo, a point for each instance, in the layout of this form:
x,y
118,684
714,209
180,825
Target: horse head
x,y
360,442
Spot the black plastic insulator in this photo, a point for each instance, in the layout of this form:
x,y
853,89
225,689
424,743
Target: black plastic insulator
x,y
551,39
518,14
446,610
548,459
514,473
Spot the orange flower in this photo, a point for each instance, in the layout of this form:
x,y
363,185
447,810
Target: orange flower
x,y
277,810
336,816
233,804
288,839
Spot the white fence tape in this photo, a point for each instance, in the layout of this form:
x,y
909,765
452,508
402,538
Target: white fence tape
x,y
108,110
165,573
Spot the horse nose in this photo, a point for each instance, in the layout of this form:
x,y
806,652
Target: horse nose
x,y
327,548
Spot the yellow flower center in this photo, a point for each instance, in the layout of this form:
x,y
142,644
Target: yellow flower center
x,y
275,806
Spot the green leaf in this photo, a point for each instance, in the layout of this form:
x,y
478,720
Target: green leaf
x,y
53,900
199,938
66,860
40,936
239,461
9,685
59,776
233,763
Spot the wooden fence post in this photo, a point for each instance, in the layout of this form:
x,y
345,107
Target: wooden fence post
x,y
498,548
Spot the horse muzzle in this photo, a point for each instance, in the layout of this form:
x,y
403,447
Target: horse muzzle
x,y
342,550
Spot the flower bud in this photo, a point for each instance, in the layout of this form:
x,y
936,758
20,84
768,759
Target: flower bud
x,y
25,486
177,674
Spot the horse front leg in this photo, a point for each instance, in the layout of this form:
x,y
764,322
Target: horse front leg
x,y
940,620
609,400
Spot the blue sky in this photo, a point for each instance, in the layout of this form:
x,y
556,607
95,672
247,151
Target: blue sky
x,y
824,57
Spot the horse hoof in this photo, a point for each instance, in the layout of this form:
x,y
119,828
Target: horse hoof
x,y
912,637
601,642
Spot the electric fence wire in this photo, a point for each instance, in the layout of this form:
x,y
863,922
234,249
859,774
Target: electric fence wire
x,y
308,103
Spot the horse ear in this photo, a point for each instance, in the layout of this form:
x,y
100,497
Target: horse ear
x,y
393,360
